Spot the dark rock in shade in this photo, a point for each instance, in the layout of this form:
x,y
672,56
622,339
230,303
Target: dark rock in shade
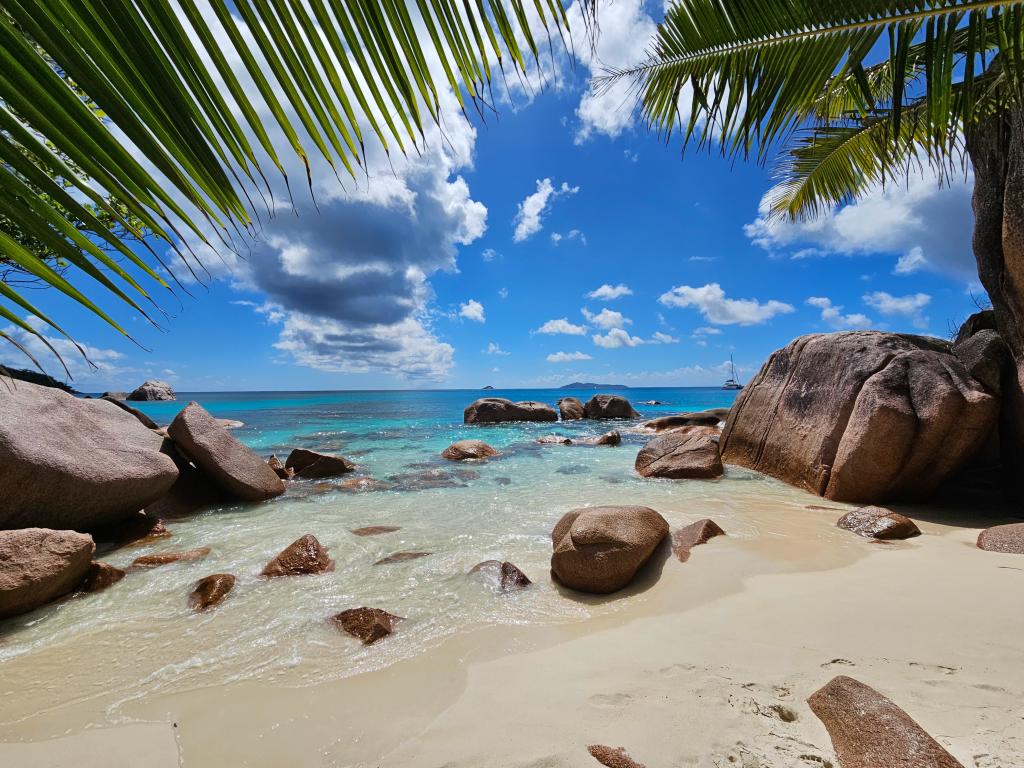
x,y
147,422
235,468
985,320
311,464
1003,538
468,449
613,757
285,473
860,416
363,485
191,492
211,591
869,731
153,390
879,523
495,410
505,575
570,408
376,530
138,530
985,356
680,455
694,534
100,576
554,440
166,558
70,463
302,557
708,418
401,557
609,407
608,438
600,549
366,624
38,565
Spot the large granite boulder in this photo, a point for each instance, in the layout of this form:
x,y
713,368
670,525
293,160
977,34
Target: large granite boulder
x,y
600,549
313,465
680,455
570,408
232,466
609,407
38,565
709,418
153,390
495,410
985,356
464,450
860,416
191,492
70,463
869,731
147,422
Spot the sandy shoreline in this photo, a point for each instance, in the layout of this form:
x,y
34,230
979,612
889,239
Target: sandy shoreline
x,y
708,663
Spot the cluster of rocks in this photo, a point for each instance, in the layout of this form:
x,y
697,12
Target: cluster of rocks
x,y
498,410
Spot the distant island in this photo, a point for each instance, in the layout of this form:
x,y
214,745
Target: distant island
x,y
488,387
591,385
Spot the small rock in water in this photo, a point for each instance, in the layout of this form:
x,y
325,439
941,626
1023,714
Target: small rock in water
x,y
363,485
285,473
165,558
608,438
366,624
401,557
573,469
466,474
570,408
879,523
685,539
504,574
101,576
613,757
375,530
465,450
1008,539
554,440
211,591
311,464
302,557
503,480
429,479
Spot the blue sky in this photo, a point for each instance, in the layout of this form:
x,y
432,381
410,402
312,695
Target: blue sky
x,y
560,242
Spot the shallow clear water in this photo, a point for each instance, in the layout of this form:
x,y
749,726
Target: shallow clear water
x,y
140,636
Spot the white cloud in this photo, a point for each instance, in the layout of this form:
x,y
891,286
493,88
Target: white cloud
x,y
707,330
630,155
472,310
503,293
495,349
606,318
710,299
532,208
663,338
572,234
567,357
610,292
703,258
489,254
107,366
615,338
908,306
911,262
832,314
562,325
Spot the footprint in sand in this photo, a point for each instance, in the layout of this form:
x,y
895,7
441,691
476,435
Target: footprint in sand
x,y
676,670
838,663
935,668
610,700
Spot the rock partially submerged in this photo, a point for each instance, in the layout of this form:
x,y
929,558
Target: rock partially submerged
x,y
363,485
464,450
304,556
153,389
211,591
609,407
554,440
879,523
70,463
680,455
608,438
861,416
100,576
600,549
366,624
694,534
869,731
235,468
38,565
504,575
313,465
1008,539
376,530
401,557
285,473
166,558
709,418
570,408
496,410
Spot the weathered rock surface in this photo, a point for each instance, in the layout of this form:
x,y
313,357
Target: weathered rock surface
x,y
310,464
302,557
860,416
686,538
708,418
612,757
285,473
70,463
100,576
166,558
211,591
147,422
376,530
232,466
608,438
401,557
504,575
869,731
468,449
600,549
38,565
495,410
1003,538
153,390
680,455
570,408
366,624
609,407
879,523
985,320
985,356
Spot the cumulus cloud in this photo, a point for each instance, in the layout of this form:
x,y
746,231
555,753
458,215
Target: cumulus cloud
x,y
908,306
489,254
927,224
495,349
572,234
711,301
663,338
610,292
833,315
567,357
615,338
472,310
606,318
562,325
533,207
102,365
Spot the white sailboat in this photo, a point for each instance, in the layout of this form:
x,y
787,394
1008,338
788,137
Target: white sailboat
x,y
732,383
